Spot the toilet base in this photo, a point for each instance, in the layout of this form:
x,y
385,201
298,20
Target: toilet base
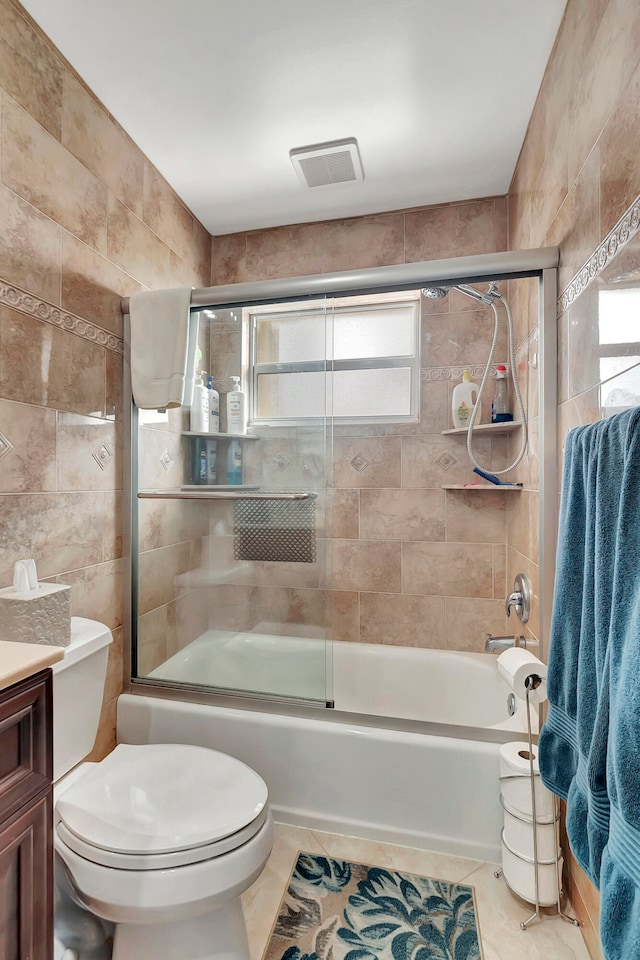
x,y
220,934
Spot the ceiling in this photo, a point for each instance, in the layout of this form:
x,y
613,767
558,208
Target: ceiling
x,y
438,94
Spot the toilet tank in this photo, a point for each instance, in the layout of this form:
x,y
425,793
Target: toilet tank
x,y
78,686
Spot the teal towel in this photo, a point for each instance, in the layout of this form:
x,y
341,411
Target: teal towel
x,y
620,874
574,740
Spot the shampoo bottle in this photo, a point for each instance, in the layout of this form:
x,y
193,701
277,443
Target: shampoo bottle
x,y
463,401
199,419
236,408
214,407
234,463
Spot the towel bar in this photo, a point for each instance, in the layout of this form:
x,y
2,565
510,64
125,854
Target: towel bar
x,y
220,495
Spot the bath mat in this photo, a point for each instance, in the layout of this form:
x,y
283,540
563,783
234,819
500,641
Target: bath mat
x,y
340,910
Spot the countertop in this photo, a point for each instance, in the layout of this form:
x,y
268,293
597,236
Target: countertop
x,y
20,660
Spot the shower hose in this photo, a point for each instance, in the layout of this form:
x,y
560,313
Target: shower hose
x,y
516,389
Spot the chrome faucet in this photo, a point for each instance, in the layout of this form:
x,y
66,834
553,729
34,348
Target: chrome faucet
x,y
498,644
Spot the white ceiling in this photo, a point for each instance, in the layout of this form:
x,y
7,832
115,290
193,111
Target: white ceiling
x,y
438,94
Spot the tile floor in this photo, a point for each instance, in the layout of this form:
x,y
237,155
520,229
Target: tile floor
x,y
499,912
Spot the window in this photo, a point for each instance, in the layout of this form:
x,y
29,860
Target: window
x,y
355,359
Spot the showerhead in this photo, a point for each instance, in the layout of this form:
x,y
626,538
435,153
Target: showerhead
x,y
438,293
435,293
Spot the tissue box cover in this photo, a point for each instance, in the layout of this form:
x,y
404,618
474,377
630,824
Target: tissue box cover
x,y
42,616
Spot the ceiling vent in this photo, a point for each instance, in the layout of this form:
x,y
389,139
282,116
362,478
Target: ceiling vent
x,y
323,164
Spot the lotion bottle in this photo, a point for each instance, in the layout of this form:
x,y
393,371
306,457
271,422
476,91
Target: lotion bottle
x,y
236,408
463,401
199,417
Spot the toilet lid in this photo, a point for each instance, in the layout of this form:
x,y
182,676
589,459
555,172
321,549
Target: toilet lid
x,y
157,798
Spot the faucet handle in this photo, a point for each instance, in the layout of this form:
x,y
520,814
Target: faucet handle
x,y
520,598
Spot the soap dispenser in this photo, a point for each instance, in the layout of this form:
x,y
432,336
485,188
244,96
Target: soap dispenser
x,y
199,418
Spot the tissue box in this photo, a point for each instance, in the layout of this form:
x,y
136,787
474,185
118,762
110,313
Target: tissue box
x,y
40,616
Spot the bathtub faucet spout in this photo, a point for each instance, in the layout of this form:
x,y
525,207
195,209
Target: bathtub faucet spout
x,y
498,644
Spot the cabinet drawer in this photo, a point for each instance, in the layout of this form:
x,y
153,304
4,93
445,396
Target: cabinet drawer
x,y
25,742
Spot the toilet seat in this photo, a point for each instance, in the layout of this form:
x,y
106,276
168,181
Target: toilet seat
x,y
159,861
156,805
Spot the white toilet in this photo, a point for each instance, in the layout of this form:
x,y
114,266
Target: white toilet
x,y
160,839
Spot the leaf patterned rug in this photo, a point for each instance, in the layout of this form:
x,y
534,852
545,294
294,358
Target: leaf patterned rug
x,y
339,910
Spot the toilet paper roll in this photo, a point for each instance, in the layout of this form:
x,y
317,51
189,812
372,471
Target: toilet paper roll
x,y
515,665
516,783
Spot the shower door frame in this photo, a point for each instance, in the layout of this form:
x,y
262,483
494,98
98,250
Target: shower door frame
x,y
541,263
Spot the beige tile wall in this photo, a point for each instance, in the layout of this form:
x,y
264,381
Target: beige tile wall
x,y
85,220
578,171
406,561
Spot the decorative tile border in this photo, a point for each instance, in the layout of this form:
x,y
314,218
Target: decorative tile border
x,y
453,373
624,230
17,299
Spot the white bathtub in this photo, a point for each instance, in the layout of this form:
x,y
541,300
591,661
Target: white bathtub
x,y
434,686
430,780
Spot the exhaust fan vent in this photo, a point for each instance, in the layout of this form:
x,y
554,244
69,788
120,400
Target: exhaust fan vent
x,y
322,164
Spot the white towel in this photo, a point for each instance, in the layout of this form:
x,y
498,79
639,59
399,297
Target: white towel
x,y
159,347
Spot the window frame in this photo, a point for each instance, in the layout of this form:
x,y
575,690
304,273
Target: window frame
x,y
325,309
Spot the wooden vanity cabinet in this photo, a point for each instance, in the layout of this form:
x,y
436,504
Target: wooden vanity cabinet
x,y
26,820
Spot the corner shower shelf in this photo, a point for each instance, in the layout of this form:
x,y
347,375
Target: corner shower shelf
x,y
500,429
480,486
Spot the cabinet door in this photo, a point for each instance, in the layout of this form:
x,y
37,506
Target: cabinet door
x,y
25,743
26,884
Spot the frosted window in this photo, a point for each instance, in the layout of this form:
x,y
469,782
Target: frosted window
x,y
374,333
290,339
286,396
372,393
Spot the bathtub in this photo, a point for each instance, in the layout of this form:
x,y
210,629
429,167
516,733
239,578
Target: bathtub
x,y
433,686
428,781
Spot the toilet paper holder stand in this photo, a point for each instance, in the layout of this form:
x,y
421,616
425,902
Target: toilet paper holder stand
x,y
531,683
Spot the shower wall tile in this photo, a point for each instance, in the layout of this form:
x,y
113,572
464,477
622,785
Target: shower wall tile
x,y
39,169
345,616
447,569
89,453
241,607
475,516
229,259
43,365
152,640
92,287
402,514
366,462
101,145
30,247
135,248
30,463
30,71
60,531
306,612
285,251
436,460
363,242
343,514
160,575
465,338
408,621
620,156
112,524
168,217
366,565
96,592
468,621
